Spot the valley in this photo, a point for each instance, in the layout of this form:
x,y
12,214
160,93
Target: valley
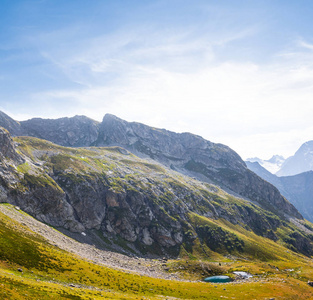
x,y
119,221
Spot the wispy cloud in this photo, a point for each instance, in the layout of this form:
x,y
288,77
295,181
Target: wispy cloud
x,y
201,74
306,45
222,101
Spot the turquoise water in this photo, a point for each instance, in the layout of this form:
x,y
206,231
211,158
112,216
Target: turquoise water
x,y
218,279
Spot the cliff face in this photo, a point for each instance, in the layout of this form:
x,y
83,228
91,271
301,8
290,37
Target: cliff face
x,y
74,132
19,185
11,125
194,156
7,148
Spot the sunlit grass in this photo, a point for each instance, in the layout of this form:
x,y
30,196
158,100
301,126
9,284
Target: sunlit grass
x,y
50,273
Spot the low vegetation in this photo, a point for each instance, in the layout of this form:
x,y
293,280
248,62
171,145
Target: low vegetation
x,y
31,268
266,246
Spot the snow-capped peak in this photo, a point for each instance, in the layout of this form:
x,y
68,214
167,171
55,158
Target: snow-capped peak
x,y
272,165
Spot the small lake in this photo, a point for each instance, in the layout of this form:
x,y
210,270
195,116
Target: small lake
x,y
218,279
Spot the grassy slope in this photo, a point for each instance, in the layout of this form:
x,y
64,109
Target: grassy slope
x,y
49,271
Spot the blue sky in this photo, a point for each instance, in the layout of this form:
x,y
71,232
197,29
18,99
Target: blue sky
x,y
235,72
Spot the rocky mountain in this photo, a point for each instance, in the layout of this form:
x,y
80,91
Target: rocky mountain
x,y
298,189
77,131
301,161
14,127
186,153
272,165
174,197
194,156
74,132
120,201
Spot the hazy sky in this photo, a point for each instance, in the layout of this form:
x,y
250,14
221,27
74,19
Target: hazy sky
x,y
235,72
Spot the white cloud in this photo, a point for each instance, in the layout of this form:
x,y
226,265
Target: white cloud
x,y
177,81
285,143
263,109
305,44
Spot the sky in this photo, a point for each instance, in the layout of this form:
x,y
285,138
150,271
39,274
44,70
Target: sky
x,y
238,73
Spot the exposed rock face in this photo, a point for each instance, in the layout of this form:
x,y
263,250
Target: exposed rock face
x,y
43,201
186,153
11,125
7,149
75,132
46,204
192,155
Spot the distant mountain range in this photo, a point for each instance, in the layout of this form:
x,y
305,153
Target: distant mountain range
x,y
298,189
293,177
301,161
272,165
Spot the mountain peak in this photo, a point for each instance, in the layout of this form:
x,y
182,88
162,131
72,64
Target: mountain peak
x,y
272,165
301,162
276,158
111,117
11,125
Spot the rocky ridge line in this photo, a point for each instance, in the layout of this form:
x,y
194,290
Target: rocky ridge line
x,y
186,153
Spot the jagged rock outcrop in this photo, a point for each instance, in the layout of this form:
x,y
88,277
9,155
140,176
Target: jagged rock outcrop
x,y
36,195
7,148
74,132
194,156
77,131
11,125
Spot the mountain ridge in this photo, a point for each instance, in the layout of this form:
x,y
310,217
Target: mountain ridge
x,y
186,153
272,165
135,206
301,161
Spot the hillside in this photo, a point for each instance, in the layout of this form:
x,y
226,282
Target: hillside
x,y
185,153
32,265
114,202
122,202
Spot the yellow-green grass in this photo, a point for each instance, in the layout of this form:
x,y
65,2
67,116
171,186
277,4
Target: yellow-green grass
x,y
255,246
48,272
43,262
16,286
